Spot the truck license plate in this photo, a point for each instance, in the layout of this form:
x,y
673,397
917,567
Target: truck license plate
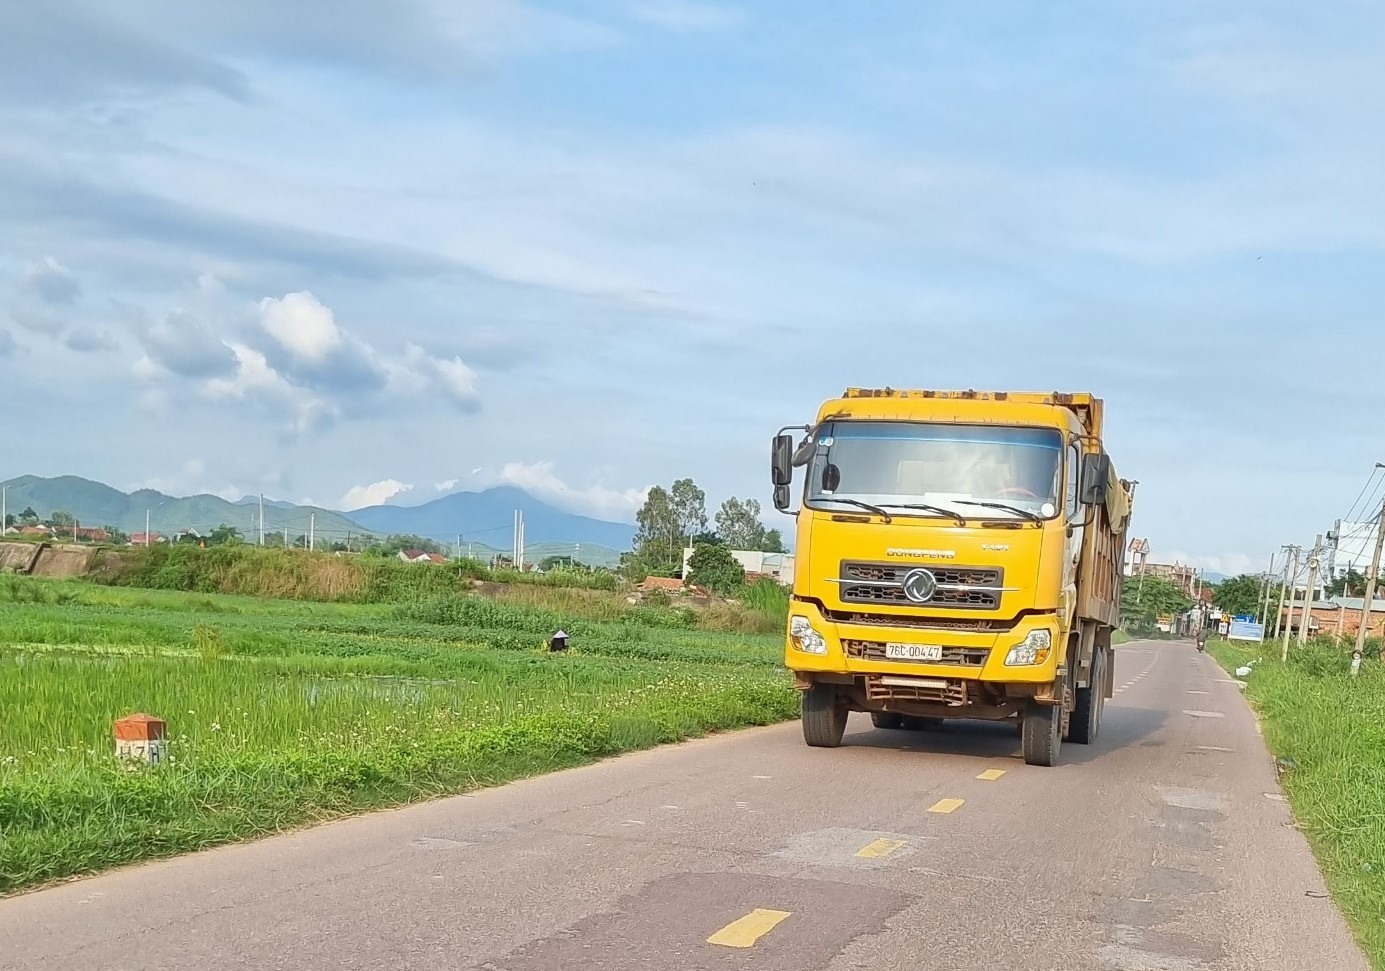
x,y
914,652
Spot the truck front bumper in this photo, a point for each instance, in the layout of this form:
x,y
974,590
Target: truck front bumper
x,y
816,644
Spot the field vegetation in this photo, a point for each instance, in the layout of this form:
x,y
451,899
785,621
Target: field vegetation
x,y
317,686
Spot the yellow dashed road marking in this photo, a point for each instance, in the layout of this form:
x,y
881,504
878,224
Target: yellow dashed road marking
x,y
946,805
990,775
879,848
749,929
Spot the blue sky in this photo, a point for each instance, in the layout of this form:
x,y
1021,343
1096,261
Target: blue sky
x,y
584,248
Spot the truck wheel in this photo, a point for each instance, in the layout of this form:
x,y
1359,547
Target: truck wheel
x,y
886,719
1090,704
917,723
1042,733
824,720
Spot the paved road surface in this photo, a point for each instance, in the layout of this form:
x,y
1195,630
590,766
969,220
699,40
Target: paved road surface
x,y
1165,847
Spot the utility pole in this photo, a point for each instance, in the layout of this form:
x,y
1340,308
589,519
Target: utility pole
x,y
1263,603
4,509
261,518
1289,619
1370,592
1279,614
1313,561
312,531
146,529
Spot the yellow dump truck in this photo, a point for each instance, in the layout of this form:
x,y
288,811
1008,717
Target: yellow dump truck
x,y
959,555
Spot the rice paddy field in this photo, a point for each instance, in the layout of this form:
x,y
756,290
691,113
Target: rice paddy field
x,y
284,712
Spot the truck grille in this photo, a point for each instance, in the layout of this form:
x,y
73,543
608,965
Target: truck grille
x,y
914,620
959,587
875,651
885,688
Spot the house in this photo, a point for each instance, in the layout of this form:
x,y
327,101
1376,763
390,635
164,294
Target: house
x,y
87,535
419,556
1339,615
145,539
35,531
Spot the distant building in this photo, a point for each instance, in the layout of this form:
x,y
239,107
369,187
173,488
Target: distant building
x,y
145,539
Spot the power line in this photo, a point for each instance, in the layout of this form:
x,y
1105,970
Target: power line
x,y
1357,504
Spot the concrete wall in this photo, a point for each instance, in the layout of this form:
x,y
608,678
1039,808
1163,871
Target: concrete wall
x,y
45,559
18,557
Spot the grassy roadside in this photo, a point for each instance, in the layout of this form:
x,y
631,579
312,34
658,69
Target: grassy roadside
x,y
286,712
1330,730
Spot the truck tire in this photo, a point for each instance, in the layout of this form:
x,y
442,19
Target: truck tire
x,y
886,719
1042,733
1090,703
824,720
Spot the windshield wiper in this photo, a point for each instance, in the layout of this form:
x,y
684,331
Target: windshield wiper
x,y
1001,505
857,502
961,520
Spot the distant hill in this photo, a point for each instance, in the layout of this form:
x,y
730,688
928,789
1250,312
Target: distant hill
x,y
484,520
97,504
488,517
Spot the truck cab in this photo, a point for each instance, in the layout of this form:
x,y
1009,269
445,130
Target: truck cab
x,y
959,555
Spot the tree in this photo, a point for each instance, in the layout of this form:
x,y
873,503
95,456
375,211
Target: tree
x,y
28,517
396,542
1239,595
117,536
774,542
657,539
739,526
10,519
1144,599
225,535
1350,584
669,519
715,568
62,518
689,507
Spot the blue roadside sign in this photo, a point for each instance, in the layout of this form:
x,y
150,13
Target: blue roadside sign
x,y
1245,630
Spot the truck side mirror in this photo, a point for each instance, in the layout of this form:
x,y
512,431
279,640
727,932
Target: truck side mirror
x,y
781,461
1096,478
781,498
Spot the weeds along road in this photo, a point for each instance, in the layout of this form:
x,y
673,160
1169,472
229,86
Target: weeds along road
x,y
1163,847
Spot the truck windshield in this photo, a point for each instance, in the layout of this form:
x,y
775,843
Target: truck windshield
x,y
894,464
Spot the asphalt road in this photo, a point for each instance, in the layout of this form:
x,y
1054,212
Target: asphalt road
x,y
1164,847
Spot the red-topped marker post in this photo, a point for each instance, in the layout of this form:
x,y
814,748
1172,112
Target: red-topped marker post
x,y
141,738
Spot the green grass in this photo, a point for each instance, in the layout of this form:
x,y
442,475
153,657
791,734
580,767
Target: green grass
x,y
1331,728
282,712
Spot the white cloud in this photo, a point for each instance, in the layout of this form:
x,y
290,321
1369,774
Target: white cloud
x,y
255,380
451,377
541,481
374,494
302,325
446,486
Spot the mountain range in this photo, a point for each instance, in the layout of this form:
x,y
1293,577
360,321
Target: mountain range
x,y
483,519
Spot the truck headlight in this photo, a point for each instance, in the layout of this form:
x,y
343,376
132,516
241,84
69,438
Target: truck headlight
x,y
1032,650
804,638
